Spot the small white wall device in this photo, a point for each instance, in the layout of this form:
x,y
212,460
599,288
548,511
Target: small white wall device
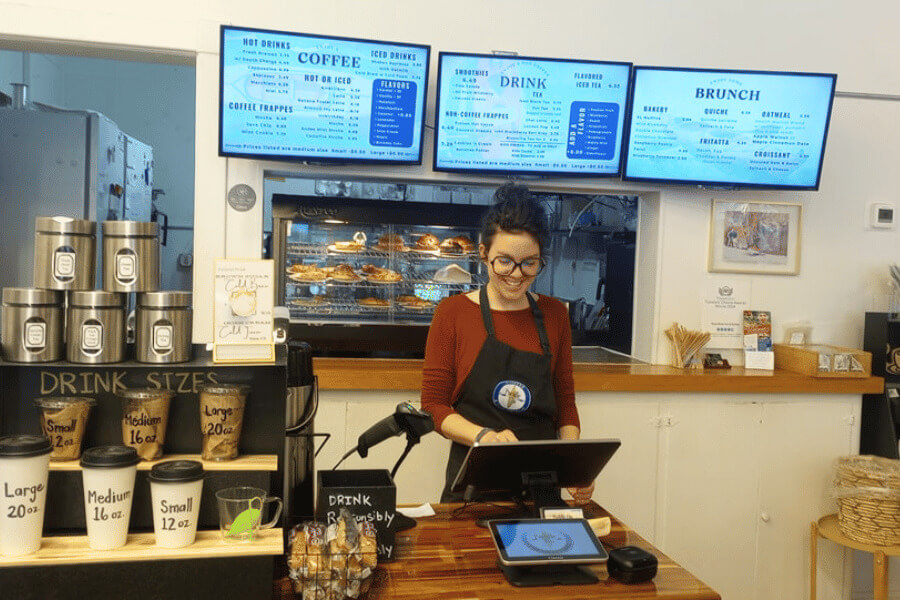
x,y
882,215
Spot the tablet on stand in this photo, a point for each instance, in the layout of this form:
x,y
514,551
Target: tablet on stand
x,y
538,552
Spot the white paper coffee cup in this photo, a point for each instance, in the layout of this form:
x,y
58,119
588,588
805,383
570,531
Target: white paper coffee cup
x,y
108,473
175,489
24,468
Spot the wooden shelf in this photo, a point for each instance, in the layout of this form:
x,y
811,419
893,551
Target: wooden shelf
x,y
249,462
74,550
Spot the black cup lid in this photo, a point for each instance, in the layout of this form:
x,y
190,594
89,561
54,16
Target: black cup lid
x,y
24,445
109,457
176,471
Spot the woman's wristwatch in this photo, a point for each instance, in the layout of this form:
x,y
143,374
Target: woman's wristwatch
x,y
482,433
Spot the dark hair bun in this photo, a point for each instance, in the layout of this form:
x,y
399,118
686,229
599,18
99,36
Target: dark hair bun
x,y
515,209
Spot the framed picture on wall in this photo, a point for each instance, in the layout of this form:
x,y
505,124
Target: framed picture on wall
x,y
754,237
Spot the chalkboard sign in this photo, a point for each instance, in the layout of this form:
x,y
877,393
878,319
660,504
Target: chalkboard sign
x,y
369,495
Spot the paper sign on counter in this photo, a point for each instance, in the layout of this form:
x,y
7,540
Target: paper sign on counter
x,y
722,313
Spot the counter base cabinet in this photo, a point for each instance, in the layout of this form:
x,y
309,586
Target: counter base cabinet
x,y
741,482
199,579
725,484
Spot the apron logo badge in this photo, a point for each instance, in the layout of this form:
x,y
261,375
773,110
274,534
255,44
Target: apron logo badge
x,y
511,396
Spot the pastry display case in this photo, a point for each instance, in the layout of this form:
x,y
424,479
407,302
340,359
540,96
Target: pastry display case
x,y
365,276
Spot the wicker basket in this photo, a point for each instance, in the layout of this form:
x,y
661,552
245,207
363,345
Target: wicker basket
x,y
868,496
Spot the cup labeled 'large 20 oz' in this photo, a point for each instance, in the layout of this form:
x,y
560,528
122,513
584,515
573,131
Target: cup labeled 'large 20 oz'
x,y
175,489
24,468
241,510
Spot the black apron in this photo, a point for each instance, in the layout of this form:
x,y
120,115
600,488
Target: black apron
x,y
506,389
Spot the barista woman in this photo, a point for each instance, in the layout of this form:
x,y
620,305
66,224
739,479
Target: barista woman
x,y
498,362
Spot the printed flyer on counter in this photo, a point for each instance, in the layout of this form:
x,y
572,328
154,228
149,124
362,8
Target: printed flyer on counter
x,y
536,115
757,330
735,127
306,96
243,316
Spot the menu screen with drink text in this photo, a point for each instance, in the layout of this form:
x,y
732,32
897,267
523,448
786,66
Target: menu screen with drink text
x,y
529,115
728,127
294,96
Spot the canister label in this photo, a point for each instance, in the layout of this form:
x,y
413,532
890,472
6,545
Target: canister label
x,y
64,264
126,266
35,335
92,337
162,338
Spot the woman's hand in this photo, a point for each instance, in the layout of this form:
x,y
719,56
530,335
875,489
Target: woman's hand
x,y
498,437
582,496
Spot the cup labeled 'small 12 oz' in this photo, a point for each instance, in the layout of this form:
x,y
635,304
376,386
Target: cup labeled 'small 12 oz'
x,y
175,489
108,473
63,420
24,467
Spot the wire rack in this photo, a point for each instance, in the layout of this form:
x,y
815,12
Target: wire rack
x,y
300,250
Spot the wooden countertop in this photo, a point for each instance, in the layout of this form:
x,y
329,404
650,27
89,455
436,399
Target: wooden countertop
x,y
406,374
447,557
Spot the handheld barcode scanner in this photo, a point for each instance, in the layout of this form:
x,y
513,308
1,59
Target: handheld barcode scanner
x,y
406,419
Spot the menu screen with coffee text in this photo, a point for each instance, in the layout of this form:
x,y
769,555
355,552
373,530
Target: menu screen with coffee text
x,y
742,128
294,96
529,115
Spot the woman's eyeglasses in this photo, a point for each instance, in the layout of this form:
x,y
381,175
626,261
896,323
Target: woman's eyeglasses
x,y
503,265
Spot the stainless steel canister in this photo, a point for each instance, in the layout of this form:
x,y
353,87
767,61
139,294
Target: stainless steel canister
x,y
64,253
163,328
95,327
32,325
130,256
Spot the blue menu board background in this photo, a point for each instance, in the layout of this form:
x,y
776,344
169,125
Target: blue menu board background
x,y
530,115
764,129
288,95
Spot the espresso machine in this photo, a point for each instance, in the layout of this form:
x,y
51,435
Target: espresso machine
x,y
301,405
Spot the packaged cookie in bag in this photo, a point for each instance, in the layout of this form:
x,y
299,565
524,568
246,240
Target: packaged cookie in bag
x,y
308,561
368,549
343,540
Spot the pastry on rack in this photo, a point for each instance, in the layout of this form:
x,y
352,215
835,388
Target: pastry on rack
x,y
381,275
374,302
390,242
459,244
307,273
311,301
414,302
428,242
347,246
342,272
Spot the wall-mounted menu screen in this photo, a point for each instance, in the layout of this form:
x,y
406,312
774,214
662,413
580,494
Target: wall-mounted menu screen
x,y
728,128
291,96
512,114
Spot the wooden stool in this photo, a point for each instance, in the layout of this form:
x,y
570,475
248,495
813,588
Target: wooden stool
x,y
828,528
